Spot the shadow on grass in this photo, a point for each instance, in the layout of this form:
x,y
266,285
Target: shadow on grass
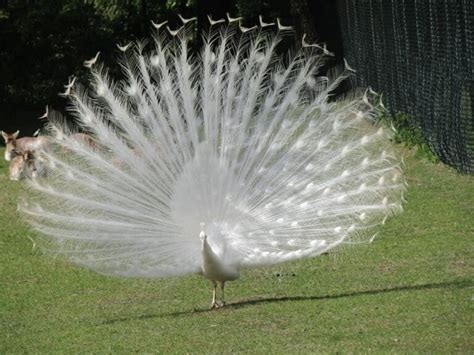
x,y
255,301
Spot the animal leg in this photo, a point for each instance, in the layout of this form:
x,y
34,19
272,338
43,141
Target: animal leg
x,y
214,304
222,294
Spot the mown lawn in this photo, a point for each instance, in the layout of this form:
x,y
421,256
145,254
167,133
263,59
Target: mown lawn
x,y
412,290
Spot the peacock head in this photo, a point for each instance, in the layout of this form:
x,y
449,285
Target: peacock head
x,y
204,242
203,235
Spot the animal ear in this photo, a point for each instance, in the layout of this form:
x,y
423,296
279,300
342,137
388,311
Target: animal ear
x,y
4,135
16,134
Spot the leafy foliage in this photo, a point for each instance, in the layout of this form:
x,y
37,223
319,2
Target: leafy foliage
x,y
46,41
408,132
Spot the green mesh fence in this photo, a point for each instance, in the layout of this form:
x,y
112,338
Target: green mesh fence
x,y
420,55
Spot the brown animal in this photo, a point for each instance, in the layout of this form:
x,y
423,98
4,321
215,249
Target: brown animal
x,y
86,139
17,146
23,166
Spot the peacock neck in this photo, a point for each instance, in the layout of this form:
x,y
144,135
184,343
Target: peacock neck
x,y
207,252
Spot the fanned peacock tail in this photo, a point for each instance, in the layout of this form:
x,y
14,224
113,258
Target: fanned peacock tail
x,y
235,138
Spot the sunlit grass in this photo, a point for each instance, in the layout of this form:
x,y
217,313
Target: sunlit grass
x,y
412,290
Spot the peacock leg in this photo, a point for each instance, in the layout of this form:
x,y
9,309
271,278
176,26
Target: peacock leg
x,y
214,303
222,294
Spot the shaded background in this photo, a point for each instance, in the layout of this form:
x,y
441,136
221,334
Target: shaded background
x,y
43,42
418,53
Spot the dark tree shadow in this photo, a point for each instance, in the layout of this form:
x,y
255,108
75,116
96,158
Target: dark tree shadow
x,y
255,301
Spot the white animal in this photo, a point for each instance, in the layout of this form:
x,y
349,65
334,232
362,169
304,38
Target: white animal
x,y
255,166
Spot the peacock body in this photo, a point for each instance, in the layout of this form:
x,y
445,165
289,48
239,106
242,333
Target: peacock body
x,y
213,162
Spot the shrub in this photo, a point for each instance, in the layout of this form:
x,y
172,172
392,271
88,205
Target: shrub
x,y
407,131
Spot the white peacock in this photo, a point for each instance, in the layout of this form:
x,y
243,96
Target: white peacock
x,y
211,162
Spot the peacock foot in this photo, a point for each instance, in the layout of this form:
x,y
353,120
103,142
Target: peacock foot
x,y
215,305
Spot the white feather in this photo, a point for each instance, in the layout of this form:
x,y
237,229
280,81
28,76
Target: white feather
x,y
212,139
282,27
89,63
246,29
45,114
233,19
159,25
264,24
214,22
186,20
124,47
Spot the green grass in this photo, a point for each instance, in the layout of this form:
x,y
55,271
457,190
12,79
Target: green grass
x,y
412,290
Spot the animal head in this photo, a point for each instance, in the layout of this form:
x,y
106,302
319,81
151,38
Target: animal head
x,y
10,142
22,166
203,235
